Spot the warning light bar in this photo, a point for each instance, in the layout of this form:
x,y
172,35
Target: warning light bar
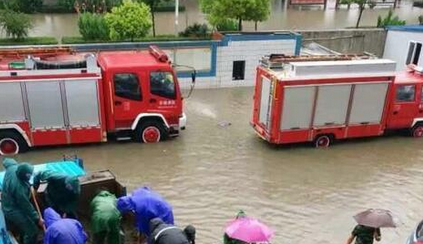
x,y
158,54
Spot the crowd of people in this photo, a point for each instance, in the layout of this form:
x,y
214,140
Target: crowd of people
x,y
153,214
59,221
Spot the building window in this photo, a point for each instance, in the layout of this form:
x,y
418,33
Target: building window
x,y
127,86
162,84
405,93
238,71
414,51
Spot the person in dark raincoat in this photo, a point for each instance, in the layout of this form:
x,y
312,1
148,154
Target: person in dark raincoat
x,y
62,191
364,235
105,218
147,205
62,231
162,233
16,204
228,240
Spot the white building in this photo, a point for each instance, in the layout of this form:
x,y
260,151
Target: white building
x,y
403,45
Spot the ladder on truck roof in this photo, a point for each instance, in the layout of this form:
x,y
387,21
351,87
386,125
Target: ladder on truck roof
x,y
43,52
277,61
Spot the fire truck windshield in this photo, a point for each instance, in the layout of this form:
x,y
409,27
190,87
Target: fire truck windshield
x,y
162,84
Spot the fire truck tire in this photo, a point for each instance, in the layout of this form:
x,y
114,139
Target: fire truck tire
x,y
150,131
417,130
12,143
323,141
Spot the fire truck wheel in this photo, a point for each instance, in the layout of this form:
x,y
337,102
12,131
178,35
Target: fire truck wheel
x,y
150,132
417,131
11,143
322,141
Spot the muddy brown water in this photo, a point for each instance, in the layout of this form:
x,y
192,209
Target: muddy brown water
x,y
307,195
304,18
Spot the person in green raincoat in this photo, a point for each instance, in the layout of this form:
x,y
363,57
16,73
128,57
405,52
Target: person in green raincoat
x,y
16,204
105,219
62,191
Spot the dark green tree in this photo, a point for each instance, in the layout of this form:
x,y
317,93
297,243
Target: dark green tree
x,y
249,10
260,12
361,7
153,7
25,6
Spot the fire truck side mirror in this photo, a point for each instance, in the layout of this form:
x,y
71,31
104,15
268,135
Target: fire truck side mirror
x,y
193,76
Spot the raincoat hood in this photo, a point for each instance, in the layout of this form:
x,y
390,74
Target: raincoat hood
x,y
62,231
24,171
155,223
50,216
72,184
125,204
190,233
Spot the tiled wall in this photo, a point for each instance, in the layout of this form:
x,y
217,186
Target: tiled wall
x,y
250,51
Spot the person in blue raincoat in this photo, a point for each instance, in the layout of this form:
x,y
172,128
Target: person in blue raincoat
x,y
62,231
15,198
147,205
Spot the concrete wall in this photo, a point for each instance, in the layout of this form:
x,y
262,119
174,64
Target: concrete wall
x,y
243,49
349,40
396,47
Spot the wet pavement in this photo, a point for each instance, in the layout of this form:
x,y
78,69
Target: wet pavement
x,y
219,166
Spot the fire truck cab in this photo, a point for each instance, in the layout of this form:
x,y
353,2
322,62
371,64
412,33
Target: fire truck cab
x,y
303,100
141,95
406,110
83,98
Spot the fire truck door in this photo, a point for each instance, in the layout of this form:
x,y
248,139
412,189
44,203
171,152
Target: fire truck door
x,y
266,95
128,98
405,107
164,96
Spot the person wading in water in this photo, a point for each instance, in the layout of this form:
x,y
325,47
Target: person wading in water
x,y
364,235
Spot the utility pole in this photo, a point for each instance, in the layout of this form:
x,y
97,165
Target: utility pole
x,y
176,17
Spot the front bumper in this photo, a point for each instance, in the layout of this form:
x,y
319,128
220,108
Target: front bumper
x,y
183,121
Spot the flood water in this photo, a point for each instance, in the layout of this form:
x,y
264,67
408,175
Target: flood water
x,y
307,195
281,18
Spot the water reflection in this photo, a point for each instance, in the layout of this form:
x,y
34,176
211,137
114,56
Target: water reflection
x,y
306,18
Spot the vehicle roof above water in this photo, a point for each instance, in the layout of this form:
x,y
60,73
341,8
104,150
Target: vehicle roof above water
x,y
129,59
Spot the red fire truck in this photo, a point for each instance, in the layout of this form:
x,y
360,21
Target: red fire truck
x,y
323,101
130,94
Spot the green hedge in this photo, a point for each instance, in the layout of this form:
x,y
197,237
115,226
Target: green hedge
x,y
28,41
80,40
58,9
